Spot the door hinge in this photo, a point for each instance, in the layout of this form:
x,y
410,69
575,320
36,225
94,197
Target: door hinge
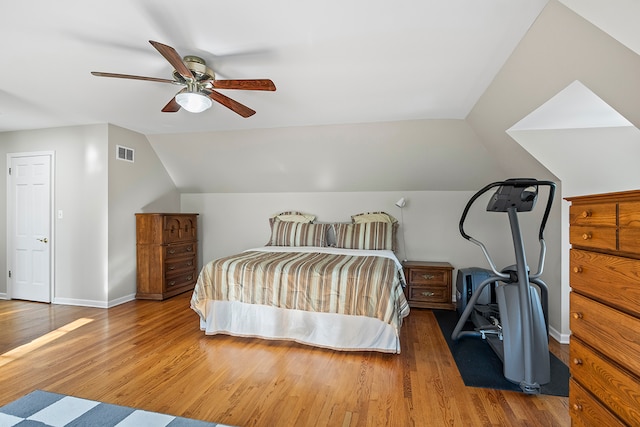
x,y
9,171
9,274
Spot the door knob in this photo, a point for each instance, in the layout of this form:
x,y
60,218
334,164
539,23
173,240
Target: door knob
x,y
45,240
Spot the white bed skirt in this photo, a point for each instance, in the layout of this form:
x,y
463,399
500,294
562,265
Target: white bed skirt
x,y
327,330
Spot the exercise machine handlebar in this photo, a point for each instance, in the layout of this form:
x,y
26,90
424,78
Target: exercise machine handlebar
x,y
528,192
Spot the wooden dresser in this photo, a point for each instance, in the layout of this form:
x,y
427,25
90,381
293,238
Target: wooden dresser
x,y
429,284
167,248
605,309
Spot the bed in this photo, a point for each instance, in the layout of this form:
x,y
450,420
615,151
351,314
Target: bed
x,y
342,293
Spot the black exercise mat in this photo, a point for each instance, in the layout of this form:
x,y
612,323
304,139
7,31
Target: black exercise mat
x,y
480,366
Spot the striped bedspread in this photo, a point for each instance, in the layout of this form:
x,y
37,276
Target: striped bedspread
x,y
350,282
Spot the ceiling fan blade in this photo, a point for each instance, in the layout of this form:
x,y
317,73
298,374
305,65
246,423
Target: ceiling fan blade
x,y
174,59
256,84
129,76
235,106
172,106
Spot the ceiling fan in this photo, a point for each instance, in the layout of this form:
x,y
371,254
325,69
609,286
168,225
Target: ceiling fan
x,y
199,83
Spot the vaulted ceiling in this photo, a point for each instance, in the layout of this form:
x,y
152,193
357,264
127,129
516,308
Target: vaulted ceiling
x,y
333,61
354,65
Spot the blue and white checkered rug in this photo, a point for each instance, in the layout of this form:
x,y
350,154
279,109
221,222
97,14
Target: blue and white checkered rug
x,y
42,409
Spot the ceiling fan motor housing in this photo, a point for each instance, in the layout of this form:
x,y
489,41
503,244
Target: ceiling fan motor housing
x,y
198,68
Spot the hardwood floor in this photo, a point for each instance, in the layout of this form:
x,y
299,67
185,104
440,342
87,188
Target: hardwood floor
x,y
152,355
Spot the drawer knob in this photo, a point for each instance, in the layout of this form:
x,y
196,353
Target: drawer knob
x,y
577,315
428,276
577,361
577,269
577,407
428,294
586,236
173,267
172,251
586,214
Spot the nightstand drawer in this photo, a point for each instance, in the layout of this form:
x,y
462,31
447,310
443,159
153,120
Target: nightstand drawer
x,y
437,294
428,277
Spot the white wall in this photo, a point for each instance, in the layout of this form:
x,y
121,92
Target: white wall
x,y
80,240
231,223
94,241
141,186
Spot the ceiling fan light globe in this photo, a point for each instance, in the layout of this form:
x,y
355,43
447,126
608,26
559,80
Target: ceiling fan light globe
x,y
194,102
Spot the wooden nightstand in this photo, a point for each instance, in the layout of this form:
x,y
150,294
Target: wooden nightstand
x,y
429,284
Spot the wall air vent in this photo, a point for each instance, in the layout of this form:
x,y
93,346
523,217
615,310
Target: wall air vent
x,y
124,153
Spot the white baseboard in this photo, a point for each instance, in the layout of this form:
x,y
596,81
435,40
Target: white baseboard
x,y
121,300
561,338
93,303
80,302
3,295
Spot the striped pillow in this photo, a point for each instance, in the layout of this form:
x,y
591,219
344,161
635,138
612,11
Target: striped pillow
x,y
288,233
291,216
372,217
369,235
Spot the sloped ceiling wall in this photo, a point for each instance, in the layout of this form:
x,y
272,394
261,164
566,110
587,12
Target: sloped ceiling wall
x,y
560,47
416,155
618,18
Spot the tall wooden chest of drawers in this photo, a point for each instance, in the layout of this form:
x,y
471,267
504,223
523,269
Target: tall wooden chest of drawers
x,y
604,275
166,248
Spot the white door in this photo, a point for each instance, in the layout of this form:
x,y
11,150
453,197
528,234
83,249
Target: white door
x,y
29,207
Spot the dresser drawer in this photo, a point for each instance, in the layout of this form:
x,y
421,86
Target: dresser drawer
x,y
174,280
430,294
179,250
586,411
179,264
178,228
593,237
629,240
613,333
599,214
612,386
611,279
629,214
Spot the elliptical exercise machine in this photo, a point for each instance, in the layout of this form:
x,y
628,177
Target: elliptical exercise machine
x,y
518,331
